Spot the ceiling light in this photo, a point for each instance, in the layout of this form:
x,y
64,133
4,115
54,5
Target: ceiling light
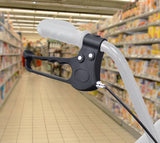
x,y
46,12
61,18
24,27
90,15
81,20
70,14
27,16
34,2
25,11
24,16
43,17
5,9
12,19
27,21
106,16
85,20
27,31
24,24
21,16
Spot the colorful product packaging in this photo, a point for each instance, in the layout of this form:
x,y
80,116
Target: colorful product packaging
x,y
157,32
151,31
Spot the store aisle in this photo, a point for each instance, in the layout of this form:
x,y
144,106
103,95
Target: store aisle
x,y
42,110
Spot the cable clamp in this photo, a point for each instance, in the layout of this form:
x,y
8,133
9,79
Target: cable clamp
x,y
99,84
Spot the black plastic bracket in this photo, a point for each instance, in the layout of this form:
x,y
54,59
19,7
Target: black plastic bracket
x,y
85,67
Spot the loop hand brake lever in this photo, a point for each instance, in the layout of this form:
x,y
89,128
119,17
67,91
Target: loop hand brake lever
x,y
85,66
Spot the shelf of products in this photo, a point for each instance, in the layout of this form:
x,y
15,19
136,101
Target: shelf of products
x,y
10,58
134,29
136,32
136,75
155,100
138,10
5,91
6,67
54,49
15,35
10,43
144,15
7,76
138,42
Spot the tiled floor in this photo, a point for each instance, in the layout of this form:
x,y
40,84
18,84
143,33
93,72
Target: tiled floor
x,y
42,110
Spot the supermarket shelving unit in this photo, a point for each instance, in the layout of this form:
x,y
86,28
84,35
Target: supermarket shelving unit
x,y
133,130
13,76
127,20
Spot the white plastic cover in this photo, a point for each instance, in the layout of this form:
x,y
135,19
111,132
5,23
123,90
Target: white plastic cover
x,y
61,31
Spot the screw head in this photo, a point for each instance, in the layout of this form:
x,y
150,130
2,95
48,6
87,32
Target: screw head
x,y
91,56
80,59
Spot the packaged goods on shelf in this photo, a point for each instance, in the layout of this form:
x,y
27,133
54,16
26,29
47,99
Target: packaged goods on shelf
x,y
55,45
8,37
141,50
4,74
140,67
2,93
99,96
153,68
137,50
103,76
139,36
8,49
154,31
157,113
110,63
151,108
70,49
136,9
90,27
145,67
136,36
8,60
120,111
140,7
154,17
155,49
151,31
117,17
111,76
6,87
2,19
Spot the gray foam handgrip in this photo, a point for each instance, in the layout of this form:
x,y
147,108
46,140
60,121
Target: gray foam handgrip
x,y
61,31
